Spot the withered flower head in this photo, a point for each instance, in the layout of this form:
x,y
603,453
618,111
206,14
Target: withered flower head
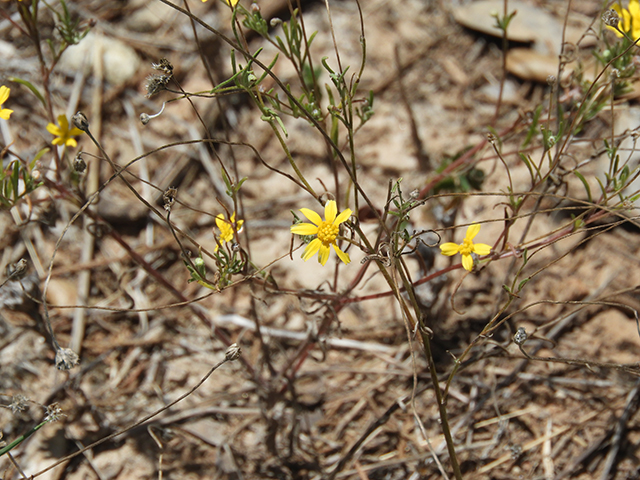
x,y
164,66
169,198
155,84
233,352
79,165
80,121
66,359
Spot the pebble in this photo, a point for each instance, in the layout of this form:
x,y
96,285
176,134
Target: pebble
x,y
120,61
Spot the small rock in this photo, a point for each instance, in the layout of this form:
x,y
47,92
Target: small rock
x,y
529,25
120,62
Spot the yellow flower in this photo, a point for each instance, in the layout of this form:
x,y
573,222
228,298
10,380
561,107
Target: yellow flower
x,y
326,230
467,247
4,95
231,3
64,132
629,19
227,228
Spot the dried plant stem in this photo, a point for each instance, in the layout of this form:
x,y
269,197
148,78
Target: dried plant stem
x,y
139,422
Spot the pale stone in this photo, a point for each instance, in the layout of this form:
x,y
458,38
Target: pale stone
x,y
119,61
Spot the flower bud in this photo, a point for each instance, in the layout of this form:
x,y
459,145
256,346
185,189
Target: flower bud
x,y
611,18
80,121
66,359
79,165
520,336
233,352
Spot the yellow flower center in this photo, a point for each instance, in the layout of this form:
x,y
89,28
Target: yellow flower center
x,y
467,247
327,232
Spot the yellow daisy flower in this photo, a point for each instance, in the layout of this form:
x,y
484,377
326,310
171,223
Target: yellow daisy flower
x,y
64,133
467,247
629,19
231,3
4,95
227,228
327,231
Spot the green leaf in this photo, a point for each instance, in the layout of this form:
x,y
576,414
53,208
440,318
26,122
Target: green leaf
x,y
271,65
527,163
284,130
522,284
604,191
533,128
281,46
15,178
586,185
30,86
624,175
38,157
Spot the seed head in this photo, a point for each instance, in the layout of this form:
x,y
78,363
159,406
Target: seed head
x,y
19,269
155,84
611,18
79,165
164,66
66,359
18,403
169,198
80,121
520,337
233,352
53,413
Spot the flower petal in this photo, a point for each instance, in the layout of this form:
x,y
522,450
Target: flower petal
x,y
323,253
71,142
472,231
467,262
53,130
481,248
304,229
75,132
343,217
220,222
341,255
4,94
311,249
311,215
330,211
63,122
626,21
449,249
5,113
57,141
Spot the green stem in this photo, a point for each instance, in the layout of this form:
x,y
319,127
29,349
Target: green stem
x,y
21,438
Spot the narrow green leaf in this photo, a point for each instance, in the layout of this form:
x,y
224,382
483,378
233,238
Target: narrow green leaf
x,y
533,128
586,185
522,284
604,190
15,178
30,86
527,163
38,156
